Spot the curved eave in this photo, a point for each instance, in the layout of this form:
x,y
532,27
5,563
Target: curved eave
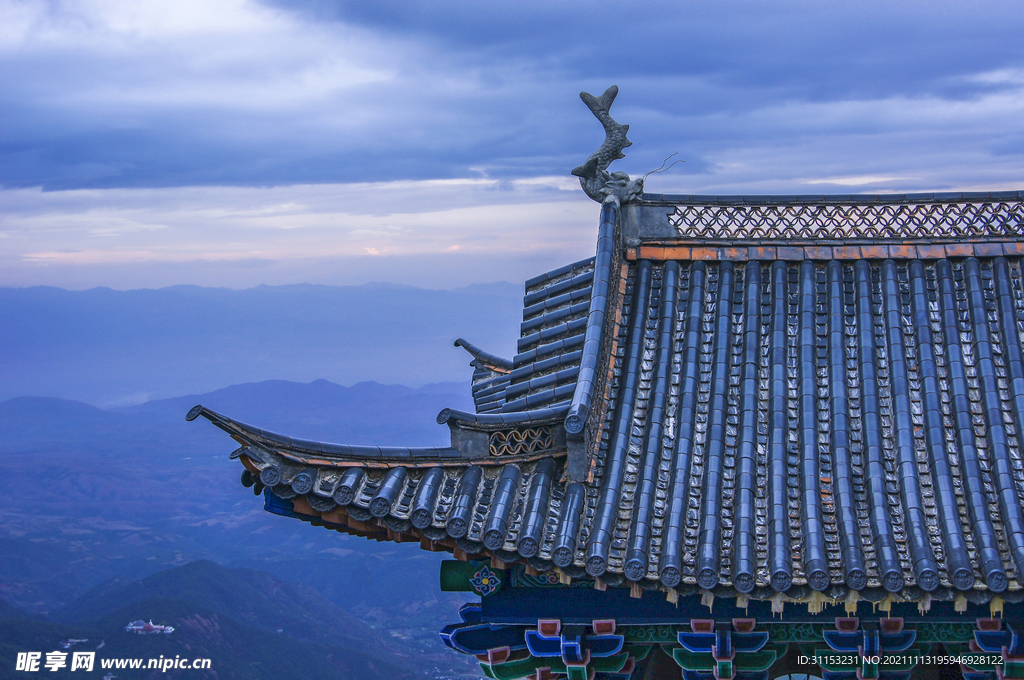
x,y
315,452
539,416
485,359
470,438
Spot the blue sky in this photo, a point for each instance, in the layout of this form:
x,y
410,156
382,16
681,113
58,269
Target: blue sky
x,y
232,143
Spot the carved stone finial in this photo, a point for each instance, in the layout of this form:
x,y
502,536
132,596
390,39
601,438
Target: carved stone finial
x,y
600,185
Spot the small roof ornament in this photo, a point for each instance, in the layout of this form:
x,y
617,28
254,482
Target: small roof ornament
x,y
600,185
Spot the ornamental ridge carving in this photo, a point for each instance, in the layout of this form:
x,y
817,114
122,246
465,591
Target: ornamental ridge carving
x,y
600,185
818,221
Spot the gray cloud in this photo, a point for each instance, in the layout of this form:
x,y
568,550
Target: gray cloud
x,y
341,91
434,234
146,123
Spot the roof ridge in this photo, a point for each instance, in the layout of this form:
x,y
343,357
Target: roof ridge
x,y
813,199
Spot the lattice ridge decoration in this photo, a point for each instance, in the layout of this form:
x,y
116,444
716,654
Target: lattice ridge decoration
x,y
522,441
850,221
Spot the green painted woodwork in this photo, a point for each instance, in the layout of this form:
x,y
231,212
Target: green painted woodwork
x,y
1013,669
471,577
519,668
652,634
806,638
944,632
704,662
518,578
576,673
795,632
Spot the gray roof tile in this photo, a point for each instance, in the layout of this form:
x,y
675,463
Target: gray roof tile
x,y
845,421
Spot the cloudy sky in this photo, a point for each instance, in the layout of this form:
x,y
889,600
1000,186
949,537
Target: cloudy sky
x,y
234,143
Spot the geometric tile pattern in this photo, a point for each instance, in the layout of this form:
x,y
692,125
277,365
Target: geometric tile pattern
x,y
818,221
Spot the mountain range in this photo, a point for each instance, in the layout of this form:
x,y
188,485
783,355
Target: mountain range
x,y
105,510
250,624
117,348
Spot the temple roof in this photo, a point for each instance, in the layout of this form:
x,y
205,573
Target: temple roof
x,y
545,369
733,412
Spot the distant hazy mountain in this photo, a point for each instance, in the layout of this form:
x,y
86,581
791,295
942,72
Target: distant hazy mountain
x,y
92,493
110,348
9,611
251,597
501,288
250,624
366,413
100,504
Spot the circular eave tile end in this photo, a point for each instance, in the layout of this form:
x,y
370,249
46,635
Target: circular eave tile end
x,y
493,539
893,581
562,557
963,579
670,577
635,569
857,579
596,566
302,484
781,581
457,527
270,476
928,580
527,547
421,518
194,412
996,581
379,507
344,495
707,578
744,583
818,580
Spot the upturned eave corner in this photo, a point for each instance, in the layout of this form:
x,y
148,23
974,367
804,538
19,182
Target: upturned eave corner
x,y
483,359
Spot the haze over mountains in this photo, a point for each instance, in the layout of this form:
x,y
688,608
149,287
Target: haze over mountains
x,y
251,625
117,348
97,499
106,511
